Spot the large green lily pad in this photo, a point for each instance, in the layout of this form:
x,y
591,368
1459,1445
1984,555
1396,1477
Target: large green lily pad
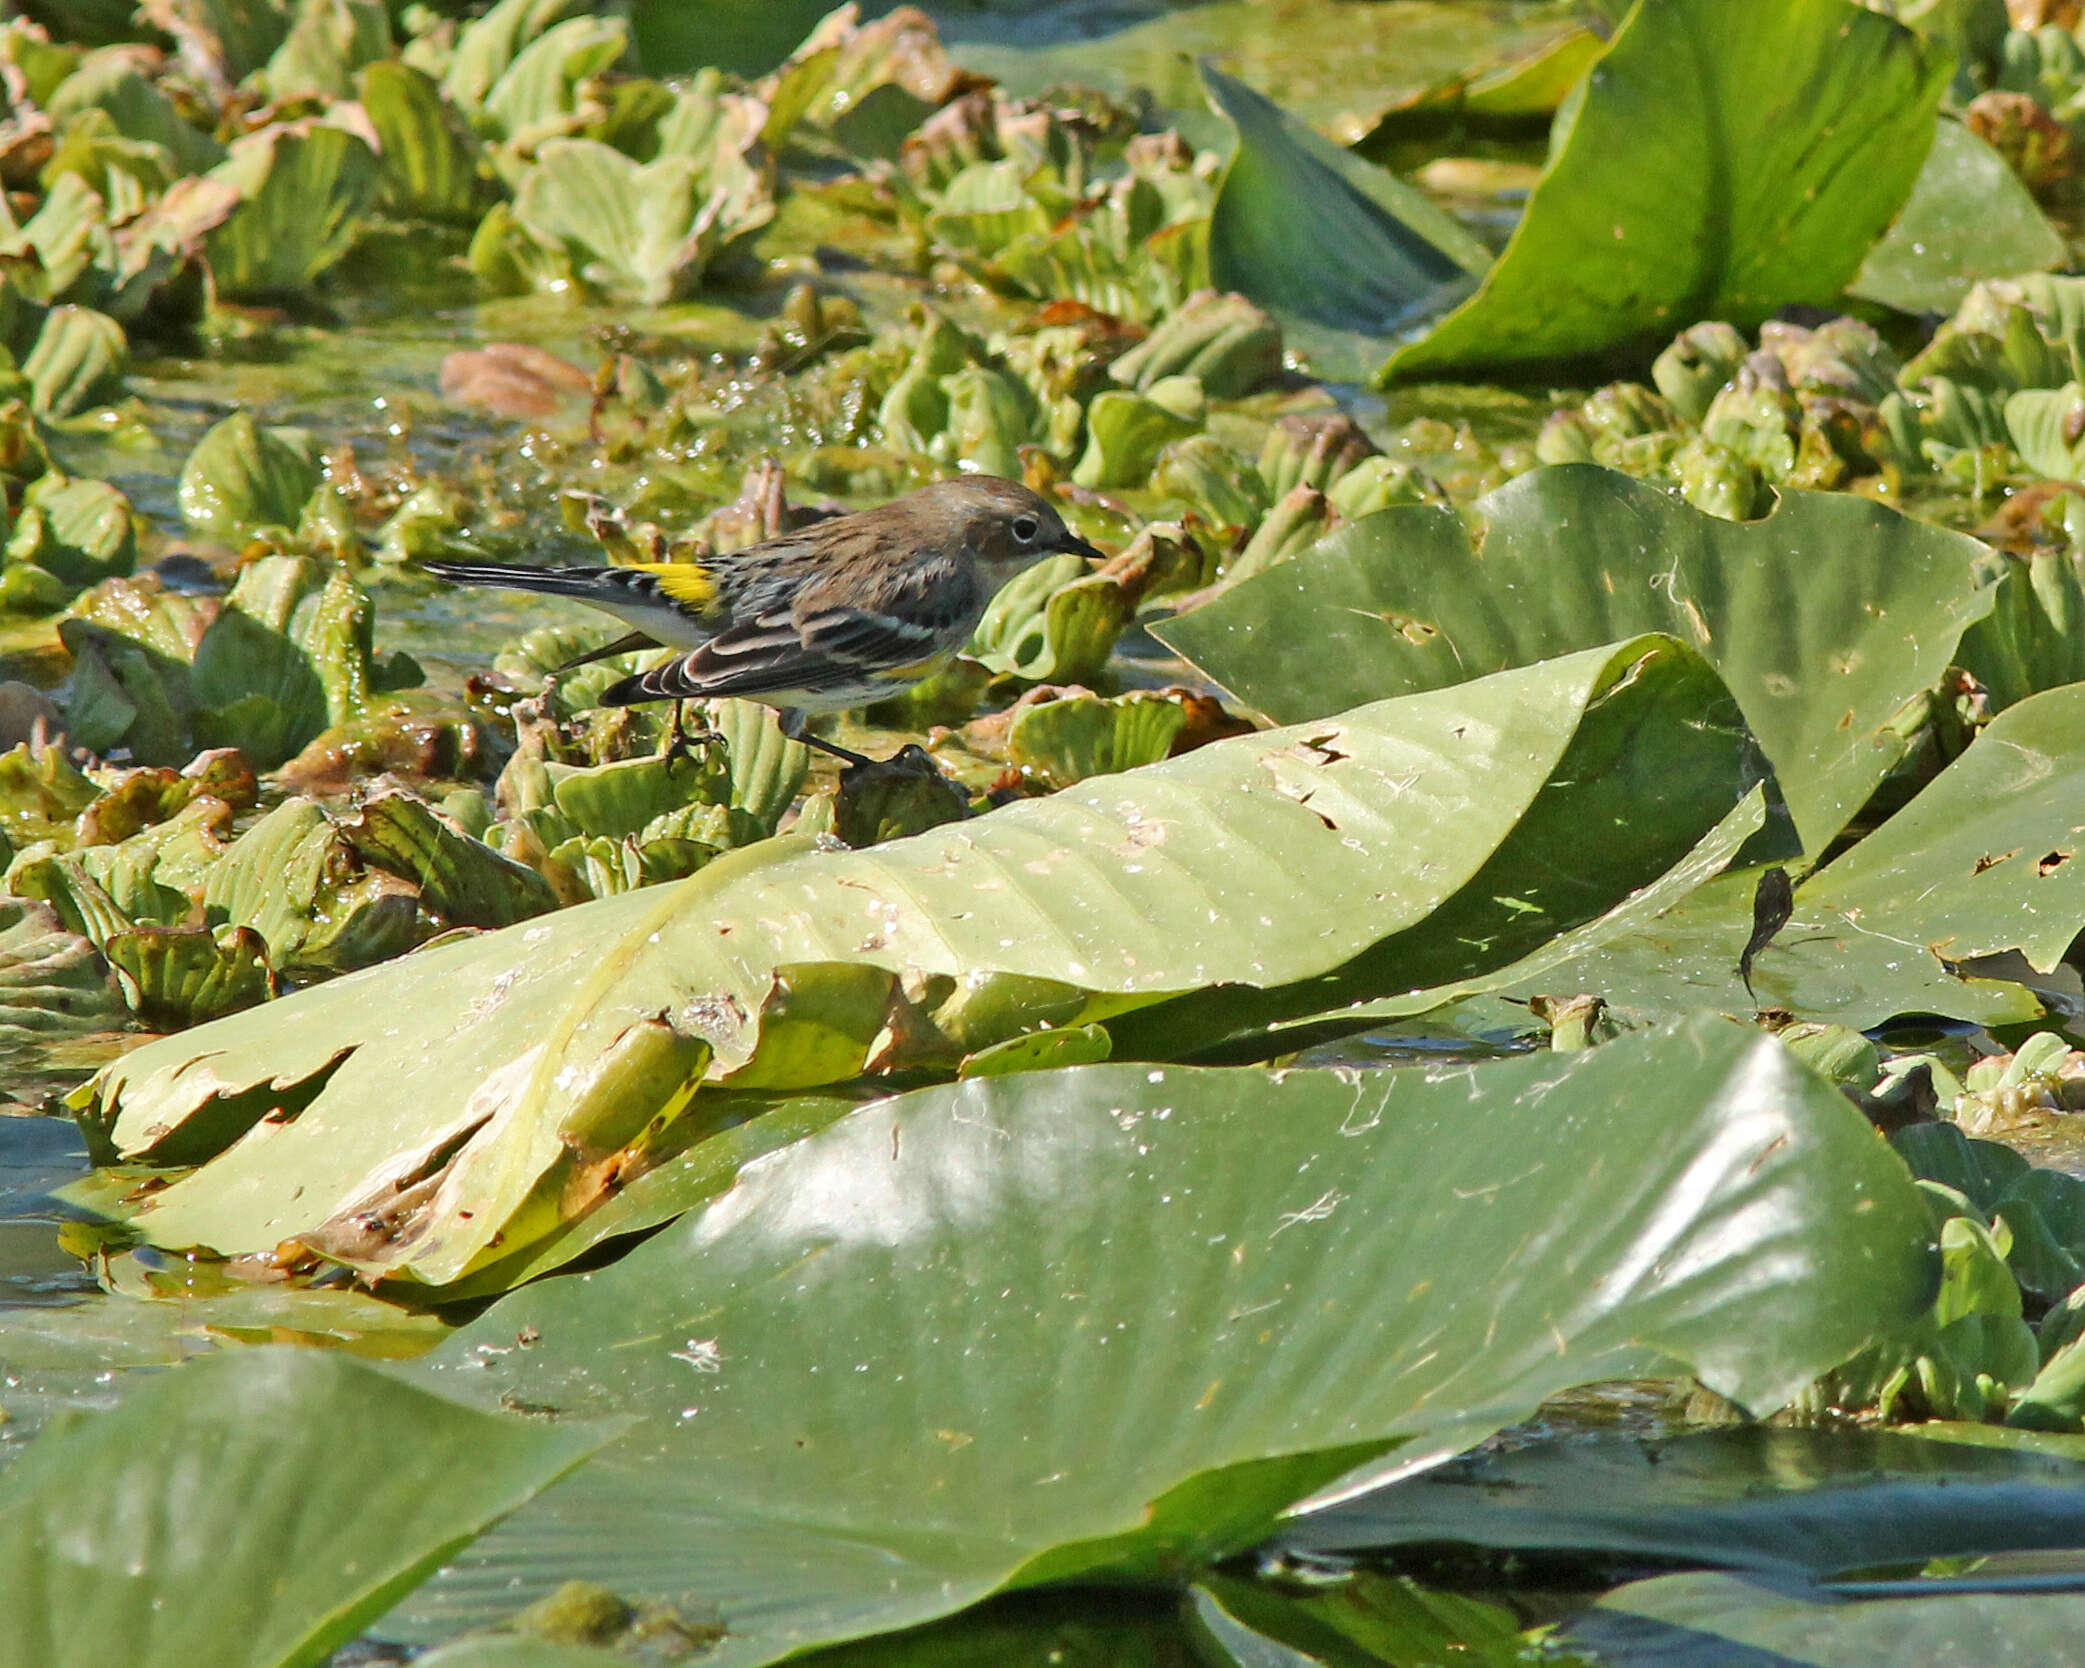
x,y
1984,861
483,1094
1824,618
1104,1323
1228,1027
1721,162
256,1509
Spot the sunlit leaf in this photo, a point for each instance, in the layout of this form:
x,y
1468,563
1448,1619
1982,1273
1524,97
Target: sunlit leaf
x,y
78,361
1257,1029
538,95
328,41
1224,342
294,878
302,190
174,976
560,1040
112,79
905,1341
241,476
1984,861
1079,736
461,879
641,231
51,981
430,159
1126,431
488,45
230,38
80,531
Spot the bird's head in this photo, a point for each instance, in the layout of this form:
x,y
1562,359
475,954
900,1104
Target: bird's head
x,y
1007,527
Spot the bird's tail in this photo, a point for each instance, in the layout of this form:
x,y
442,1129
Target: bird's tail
x,y
556,582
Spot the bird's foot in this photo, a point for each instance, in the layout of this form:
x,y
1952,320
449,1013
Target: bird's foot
x,y
883,799
682,743
910,760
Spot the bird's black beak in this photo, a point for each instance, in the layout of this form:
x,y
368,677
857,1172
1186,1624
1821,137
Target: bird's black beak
x,y
1073,545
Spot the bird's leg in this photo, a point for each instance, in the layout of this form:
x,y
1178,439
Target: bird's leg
x,y
680,742
793,726
676,736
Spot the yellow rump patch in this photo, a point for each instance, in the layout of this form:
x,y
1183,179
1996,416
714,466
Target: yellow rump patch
x,y
687,583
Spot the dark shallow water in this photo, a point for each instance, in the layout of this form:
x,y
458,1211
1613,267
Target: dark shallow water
x,y
36,1155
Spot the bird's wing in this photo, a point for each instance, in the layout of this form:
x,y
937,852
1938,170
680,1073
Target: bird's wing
x,y
836,649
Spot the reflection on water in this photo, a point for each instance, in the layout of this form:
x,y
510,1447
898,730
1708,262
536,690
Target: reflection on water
x,y
1414,1044
36,1155
1320,58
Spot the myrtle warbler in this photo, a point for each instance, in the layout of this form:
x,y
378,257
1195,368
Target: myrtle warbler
x,y
844,612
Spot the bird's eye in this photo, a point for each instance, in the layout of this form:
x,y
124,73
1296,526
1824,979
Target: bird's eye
x,y
1025,528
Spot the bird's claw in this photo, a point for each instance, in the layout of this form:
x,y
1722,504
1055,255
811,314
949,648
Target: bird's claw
x,y
683,744
909,760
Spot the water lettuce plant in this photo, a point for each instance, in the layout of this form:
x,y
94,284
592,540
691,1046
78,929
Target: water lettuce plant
x,y
284,654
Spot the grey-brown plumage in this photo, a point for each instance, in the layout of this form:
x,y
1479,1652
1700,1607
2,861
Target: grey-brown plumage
x,y
841,613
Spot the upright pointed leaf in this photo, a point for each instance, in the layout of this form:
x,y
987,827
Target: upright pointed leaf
x,y
1968,218
1722,162
1306,227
